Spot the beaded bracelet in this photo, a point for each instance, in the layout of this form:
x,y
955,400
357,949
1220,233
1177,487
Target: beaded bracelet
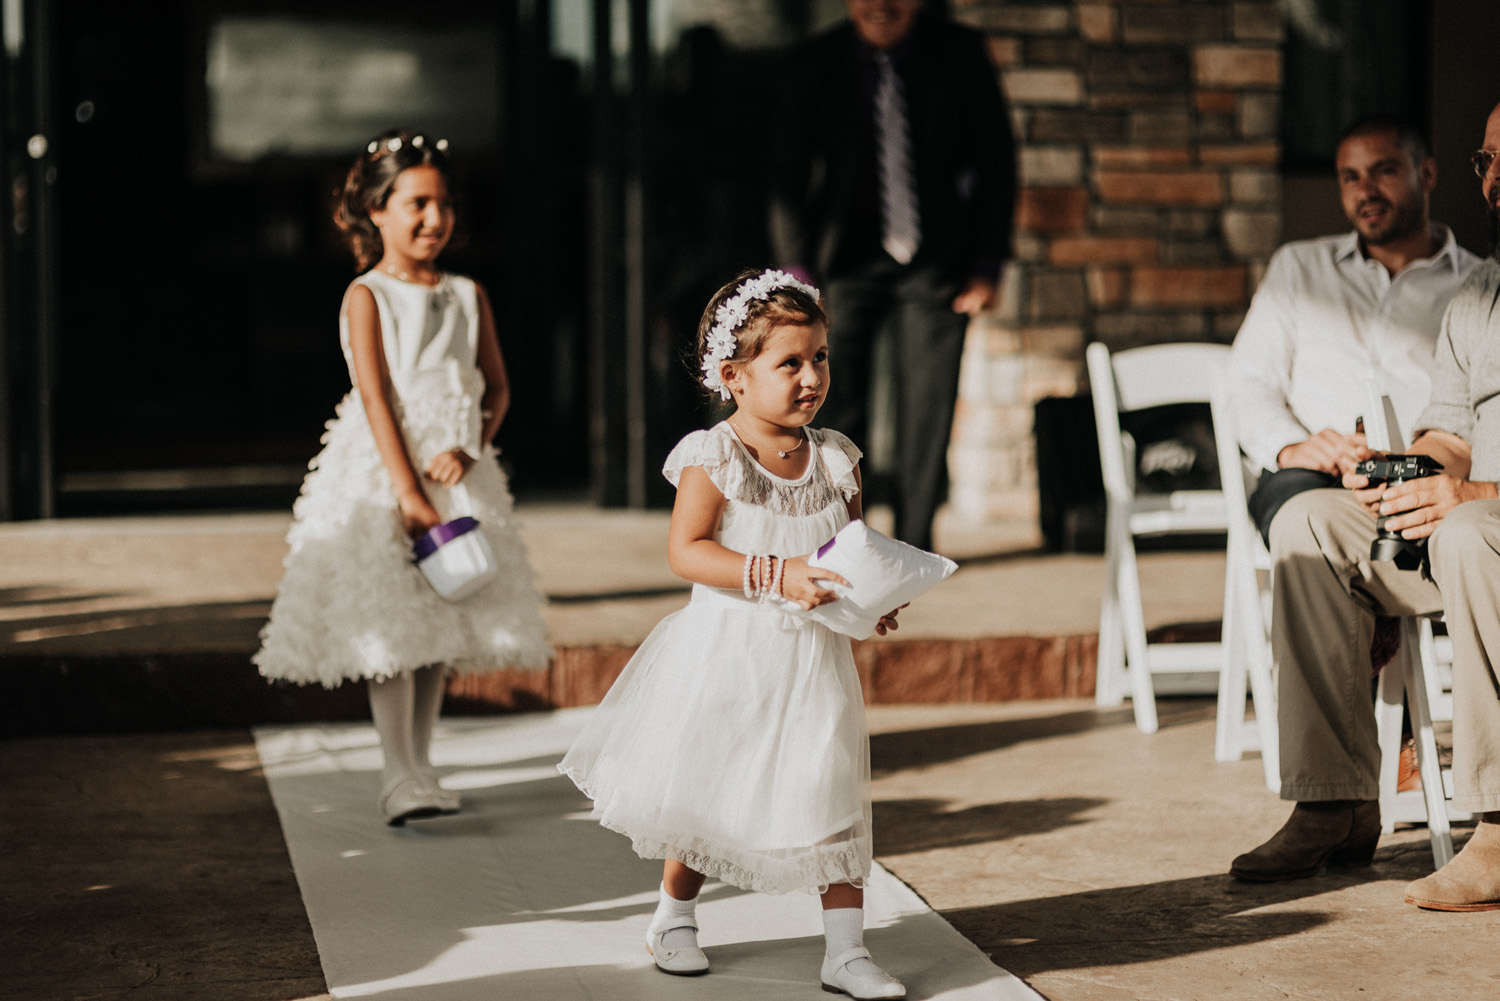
x,y
780,577
749,563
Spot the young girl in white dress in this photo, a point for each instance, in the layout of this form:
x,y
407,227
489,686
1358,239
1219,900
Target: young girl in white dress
x,y
734,743
429,393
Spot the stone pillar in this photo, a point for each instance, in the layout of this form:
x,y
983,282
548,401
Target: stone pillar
x,y
1149,205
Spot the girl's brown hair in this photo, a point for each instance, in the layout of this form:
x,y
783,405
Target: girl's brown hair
x,y
368,185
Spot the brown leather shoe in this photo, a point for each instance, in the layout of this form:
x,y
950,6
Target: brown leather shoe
x,y
1471,882
1341,832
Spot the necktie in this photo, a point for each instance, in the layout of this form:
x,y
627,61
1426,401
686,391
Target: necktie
x,y
901,230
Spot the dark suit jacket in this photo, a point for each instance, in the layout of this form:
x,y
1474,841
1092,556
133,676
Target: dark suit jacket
x,y
824,200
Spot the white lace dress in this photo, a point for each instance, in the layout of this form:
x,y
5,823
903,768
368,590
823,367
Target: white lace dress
x,y
351,603
735,739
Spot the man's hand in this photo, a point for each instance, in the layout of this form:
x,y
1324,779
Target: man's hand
x,y
1369,497
1327,452
1419,505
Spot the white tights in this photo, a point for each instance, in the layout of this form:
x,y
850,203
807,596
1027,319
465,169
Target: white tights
x,y
405,709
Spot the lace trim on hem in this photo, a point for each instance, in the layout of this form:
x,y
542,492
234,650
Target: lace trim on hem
x,y
813,871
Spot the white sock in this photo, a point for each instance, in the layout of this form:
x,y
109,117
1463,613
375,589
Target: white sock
x,y
844,929
678,916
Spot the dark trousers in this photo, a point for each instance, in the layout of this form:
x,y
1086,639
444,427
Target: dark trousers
x,y
1274,489
916,305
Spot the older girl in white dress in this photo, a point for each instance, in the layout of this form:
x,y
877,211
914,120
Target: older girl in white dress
x,y
734,743
429,392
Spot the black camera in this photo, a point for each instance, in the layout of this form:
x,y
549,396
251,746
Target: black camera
x,y
1393,469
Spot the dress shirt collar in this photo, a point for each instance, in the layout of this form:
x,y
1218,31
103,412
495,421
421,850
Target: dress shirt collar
x,y
1348,248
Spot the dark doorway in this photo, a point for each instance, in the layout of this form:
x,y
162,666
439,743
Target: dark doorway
x,y
197,148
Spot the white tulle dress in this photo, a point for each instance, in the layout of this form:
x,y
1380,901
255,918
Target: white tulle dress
x,y
351,603
735,739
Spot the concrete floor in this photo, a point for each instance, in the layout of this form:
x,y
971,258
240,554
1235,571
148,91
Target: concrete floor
x,y
203,583
1081,855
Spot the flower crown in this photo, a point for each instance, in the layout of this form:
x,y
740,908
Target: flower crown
x,y
732,313
394,143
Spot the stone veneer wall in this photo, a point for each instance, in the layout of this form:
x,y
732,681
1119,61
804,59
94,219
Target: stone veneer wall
x,y
1150,202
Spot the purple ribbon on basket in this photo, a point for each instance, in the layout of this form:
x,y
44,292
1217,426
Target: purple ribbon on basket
x,y
435,538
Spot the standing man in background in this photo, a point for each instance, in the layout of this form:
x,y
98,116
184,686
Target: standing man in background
x,y
894,190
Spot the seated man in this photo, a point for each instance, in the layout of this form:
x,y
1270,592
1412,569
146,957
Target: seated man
x,y
1342,320
1328,591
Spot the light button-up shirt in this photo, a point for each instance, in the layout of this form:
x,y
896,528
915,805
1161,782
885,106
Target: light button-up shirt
x,y
1329,332
1466,383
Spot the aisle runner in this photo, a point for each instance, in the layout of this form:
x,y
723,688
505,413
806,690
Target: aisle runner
x,y
521,896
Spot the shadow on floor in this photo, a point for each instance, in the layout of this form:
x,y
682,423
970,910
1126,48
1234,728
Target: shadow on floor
x,y
892,752
154,863
1156,921
903,826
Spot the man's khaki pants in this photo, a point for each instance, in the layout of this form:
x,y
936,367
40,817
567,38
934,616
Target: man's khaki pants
x,y
1327,593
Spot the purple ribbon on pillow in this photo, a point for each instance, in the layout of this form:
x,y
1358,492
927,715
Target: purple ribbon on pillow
x,y
435,538
825,547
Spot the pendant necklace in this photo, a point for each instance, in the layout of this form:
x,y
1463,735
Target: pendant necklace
x,y
390,269
778,451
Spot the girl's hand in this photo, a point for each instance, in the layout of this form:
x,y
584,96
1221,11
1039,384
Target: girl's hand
x,y
449,467
418,516
803,584
888,621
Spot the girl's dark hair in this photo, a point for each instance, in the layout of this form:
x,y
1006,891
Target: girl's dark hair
x,y
368,184
787,305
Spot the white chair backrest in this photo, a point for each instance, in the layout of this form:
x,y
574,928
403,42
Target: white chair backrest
x,y
1160,374
1152,376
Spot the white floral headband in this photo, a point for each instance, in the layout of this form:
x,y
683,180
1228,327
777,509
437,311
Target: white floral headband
x,y
394,143
732,314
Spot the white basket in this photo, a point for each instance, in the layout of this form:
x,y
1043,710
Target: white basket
x,y
455,557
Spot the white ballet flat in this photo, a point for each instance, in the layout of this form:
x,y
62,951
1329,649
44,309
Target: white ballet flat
x,y
875,986
407,797
688,961
447,800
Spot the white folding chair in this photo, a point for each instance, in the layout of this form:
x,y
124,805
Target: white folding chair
x,y
1134,380
1247,617
1421,677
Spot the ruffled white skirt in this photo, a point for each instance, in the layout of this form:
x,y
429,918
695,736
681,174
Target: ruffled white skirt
x,y
352,605
735,742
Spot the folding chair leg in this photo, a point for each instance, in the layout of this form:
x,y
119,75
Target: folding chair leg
x,y
1389,694
1133,622
1229,725
1263,692
1438,830
1109,681
1262,684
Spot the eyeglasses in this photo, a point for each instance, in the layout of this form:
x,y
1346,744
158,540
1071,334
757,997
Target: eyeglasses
x,y
1482,159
